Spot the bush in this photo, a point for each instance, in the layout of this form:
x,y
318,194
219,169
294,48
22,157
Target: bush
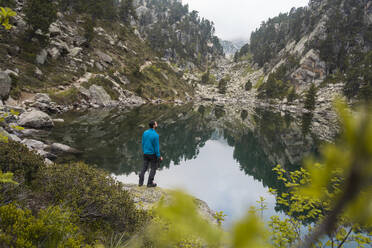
x,y
40,14
291,94
8,3
205,77
248,86
16,158
222,85
52,228
100,201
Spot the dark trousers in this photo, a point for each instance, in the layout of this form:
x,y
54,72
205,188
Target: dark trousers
x,y
151,160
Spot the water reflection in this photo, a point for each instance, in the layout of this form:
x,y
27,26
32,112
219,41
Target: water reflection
x,y
219,153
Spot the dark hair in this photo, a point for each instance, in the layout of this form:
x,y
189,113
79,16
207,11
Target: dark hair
x,y
151,124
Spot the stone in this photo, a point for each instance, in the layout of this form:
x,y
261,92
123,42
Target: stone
x,y
54,53
99,95
10,72
104,57
11,102
99,66
35,119
75,51
42,57
38,73
5,85
146,198
54,30
42,97
58,120
34,144
58,148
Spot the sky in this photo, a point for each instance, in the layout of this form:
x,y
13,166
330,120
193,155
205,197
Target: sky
x,y
236,19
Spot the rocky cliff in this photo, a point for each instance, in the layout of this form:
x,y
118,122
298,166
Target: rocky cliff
x,y
328,41
176,33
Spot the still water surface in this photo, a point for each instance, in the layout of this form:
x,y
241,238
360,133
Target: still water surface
x,y
221,154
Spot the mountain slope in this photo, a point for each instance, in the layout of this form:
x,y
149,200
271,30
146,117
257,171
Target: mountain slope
x,y
328,41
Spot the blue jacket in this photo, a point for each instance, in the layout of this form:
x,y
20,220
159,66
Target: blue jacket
x,y
150,143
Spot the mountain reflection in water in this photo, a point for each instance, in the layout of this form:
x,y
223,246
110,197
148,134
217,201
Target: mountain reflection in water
x,y
220,154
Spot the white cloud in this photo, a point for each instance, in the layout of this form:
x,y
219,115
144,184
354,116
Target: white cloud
x,y
236,19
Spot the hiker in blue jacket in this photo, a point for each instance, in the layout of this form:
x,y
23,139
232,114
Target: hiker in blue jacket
x,y
151,154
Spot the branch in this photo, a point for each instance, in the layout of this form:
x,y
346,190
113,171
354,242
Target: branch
x,y
344,240
352,189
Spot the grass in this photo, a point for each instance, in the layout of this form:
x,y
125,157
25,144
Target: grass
x,y
259,82
67,97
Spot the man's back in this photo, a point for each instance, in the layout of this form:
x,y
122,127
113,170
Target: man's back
x,y
150,143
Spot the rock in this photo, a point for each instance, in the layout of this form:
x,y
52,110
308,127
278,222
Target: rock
x,y
54,30
54,53
10,72
147,198
35,119
58,148
41,57
38,73
99,95
104,57
11,102
99,66
42,97
75,51
10,136
58,120
5,85
34,144
80,41
47,161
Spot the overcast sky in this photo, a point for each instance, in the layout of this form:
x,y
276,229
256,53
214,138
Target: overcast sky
x,y
236,19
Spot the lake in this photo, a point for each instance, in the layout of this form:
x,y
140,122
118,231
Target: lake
x,y
223,155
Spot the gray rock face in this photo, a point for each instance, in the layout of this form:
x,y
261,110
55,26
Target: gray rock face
x,y
104,57
41,57
99,95
54,53
75,51
35,119
34,144
44,98
5,85
61,148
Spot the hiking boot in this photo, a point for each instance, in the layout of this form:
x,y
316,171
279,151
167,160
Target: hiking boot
x,y
140,184
151,185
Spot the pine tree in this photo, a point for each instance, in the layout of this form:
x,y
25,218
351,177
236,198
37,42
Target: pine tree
x,y
40,14
310,98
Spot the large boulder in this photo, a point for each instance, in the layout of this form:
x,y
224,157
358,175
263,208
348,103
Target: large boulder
x,y
35,119
5,85
42,57
104,57
58,148
99,95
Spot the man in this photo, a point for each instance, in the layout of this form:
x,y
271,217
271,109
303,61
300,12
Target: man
x,y
151,154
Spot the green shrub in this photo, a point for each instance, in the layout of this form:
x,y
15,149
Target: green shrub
x,y
101,202
205,77
16,158
52,228
291,94
248,86
67,97
89,29
222,85
8,3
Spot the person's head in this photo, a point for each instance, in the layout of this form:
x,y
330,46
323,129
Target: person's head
x,y
153,124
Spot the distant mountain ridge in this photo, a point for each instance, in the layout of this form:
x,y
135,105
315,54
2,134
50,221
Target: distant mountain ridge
x,y
231,47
